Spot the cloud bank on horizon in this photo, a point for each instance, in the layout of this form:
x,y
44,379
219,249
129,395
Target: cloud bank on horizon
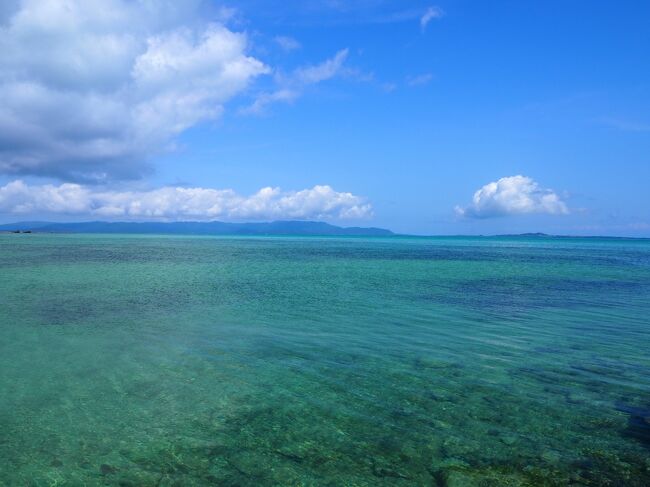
x,y
180,203
514,195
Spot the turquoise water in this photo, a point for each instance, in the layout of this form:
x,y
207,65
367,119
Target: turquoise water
x,y
146,360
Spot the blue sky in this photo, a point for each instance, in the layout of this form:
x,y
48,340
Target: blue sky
x,y
381,113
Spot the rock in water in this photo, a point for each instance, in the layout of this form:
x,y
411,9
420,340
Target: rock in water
x,y
638,423
107,469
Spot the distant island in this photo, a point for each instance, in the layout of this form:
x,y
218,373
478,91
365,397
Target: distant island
x,y
528,234
196,228
279,228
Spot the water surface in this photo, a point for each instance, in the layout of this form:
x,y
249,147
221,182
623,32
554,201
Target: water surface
x,y
155,360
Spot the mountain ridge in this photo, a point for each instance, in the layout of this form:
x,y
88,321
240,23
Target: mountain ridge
x,y
282,227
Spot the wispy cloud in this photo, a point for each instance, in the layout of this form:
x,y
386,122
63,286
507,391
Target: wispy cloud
x,y
287,43
323,71
177,203
388,87
264,100
431,13
514,195
344,12
290,87
419,80
624,125
397,16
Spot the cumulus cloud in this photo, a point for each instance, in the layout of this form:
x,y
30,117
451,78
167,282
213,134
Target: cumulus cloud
x,y
180,203
514,195
92,88
432,13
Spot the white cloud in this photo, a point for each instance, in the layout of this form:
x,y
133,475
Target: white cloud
x,y
263,100
181,203
624,125
323,71
287,43
419,80
431,14
92,88
291,87
514,195
388,87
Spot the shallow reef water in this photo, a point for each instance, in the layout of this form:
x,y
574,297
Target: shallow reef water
x,y
178,361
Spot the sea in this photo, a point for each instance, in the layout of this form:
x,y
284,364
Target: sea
x,y
152,360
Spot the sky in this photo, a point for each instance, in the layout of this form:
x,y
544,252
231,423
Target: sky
x,y
451,117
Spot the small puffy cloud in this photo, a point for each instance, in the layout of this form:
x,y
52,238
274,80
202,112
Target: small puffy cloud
x,y
287,43
92,89
514,195
180,203
431,13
